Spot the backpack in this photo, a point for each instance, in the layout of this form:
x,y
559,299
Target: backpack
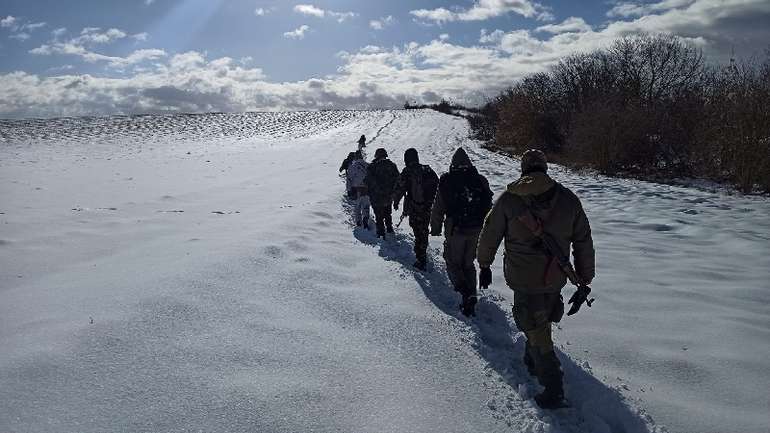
x,y
423,186
468,199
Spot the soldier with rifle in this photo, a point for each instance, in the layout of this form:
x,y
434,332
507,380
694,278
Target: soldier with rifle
x,y
540,220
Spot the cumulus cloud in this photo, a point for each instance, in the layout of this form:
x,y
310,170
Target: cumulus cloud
x,y
381,23
491,38
298,33
8,22
485,9
311,10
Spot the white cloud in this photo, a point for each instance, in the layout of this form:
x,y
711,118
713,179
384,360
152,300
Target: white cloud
x,y
91,36
298,33
381,23
317,12
21,36
491,38
260,12
148,2
9,21
443,36
485,9
570,25
57,33
629,9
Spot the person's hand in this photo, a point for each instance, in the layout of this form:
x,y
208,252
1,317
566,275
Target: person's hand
x,y
485,277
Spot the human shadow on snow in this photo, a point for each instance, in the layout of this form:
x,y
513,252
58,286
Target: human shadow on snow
x,y
501,345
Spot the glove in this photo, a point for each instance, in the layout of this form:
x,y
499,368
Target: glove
x,y
578,298
485,277
395,205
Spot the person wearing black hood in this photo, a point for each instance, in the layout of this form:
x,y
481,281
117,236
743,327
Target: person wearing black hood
x,y
462,202
381,177
417,184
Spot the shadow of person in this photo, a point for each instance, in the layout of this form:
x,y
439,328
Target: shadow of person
x,y
595,406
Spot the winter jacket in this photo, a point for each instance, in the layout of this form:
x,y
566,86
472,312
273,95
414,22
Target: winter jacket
x,y
357,173
346,162
527,267
417,184
381,177
463,197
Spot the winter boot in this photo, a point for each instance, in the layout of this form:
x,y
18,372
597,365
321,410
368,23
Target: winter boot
x,y
468,307
550,376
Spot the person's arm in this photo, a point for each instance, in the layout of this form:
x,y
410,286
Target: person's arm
x,y
583,246
492,233
400,190
437,214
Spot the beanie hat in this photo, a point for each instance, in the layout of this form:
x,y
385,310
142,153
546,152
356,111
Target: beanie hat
x,y
533,160
410,156
380,153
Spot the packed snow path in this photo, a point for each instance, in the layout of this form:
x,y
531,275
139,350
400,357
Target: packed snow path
x,y
200,273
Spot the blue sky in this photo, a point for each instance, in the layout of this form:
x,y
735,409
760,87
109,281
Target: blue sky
x,y
107,56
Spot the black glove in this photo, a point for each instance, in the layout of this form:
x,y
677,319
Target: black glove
x,y
485,277
578,298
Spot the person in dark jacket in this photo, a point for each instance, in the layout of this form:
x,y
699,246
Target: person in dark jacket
x,y
344,167
417,185
532,273
462,202
381,177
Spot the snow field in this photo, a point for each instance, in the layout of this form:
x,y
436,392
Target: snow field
x,y
199,273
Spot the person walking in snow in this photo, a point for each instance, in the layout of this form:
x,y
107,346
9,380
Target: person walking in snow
x,y
462,202
533,205
344,167
356,176
362,146
381,177
417,185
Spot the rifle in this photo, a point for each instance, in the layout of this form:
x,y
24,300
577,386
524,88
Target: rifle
x,y
551,247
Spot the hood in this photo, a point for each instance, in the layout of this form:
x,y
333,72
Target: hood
x,y
411,157
460,160
534,183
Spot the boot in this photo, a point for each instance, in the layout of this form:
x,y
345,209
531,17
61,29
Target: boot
x,y
468,307
550,376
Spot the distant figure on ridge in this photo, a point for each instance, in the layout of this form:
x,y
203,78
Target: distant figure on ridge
x,y
464,198
536,215
362,146
417,184
381,177
344,167
357,178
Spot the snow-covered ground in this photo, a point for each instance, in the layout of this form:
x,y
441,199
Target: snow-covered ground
x,y
200,273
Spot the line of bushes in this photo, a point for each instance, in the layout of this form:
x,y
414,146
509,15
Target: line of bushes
x,y
647,106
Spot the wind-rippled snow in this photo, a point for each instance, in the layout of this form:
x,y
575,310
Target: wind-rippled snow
x,y
200,273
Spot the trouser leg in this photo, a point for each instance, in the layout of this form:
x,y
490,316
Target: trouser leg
x,y
420,230
469,258
453,256
388,218
364,204
532,314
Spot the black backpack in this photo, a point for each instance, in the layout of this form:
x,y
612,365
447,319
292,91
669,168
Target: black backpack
x,y
468,199
423,187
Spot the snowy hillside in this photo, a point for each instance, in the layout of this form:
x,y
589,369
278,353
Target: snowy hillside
x,y
200,273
